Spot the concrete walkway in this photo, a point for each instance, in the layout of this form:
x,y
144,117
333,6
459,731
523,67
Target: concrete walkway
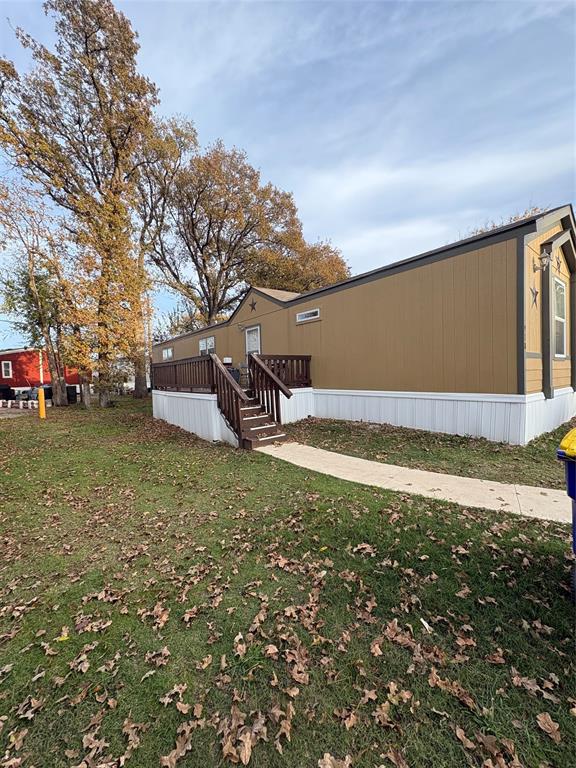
x,y
541,503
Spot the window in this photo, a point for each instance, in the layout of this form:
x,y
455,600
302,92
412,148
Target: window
x,y
310,314
6,369
252,336
206,345
559,318
168,353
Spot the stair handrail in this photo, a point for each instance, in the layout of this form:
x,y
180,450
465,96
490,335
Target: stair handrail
x,y
270,374
229,395
267,387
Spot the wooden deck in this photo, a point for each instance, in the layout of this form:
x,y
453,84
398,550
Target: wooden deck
x,y
253,414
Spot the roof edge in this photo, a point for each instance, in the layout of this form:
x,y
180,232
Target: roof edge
x,y
546,217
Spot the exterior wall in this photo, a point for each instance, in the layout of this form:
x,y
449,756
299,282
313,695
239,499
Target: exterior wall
x,y
27,371
449,326
229,339
561,373
445,326
533,280
193,412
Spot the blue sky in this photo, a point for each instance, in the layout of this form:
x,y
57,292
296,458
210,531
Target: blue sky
x,y
398,126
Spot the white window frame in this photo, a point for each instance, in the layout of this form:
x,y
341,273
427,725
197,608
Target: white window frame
x,y
560,319
7,363
167,353
207,345
308,315
246,331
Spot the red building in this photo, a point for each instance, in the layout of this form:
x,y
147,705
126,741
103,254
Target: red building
x,y
26,367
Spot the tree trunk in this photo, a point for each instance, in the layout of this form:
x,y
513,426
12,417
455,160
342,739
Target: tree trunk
x,y
56,369
59,395
85,394
104,398
140,382
141,361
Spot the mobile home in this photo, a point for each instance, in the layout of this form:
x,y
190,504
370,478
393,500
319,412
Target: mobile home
x,y
474,338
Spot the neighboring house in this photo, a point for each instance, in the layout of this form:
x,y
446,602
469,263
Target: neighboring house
x,y
475,338
26,367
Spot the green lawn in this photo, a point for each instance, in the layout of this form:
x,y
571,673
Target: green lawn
x,y
533,464
165,602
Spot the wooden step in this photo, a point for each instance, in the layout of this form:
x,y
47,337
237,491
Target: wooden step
x,y
262,430
272,433
258,420
253,442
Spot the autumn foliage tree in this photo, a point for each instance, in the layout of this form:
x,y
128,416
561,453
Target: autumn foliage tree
x,y
220,228
75,126
136,191
31,288
309,266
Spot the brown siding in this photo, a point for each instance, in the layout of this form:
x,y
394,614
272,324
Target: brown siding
x,y
446,326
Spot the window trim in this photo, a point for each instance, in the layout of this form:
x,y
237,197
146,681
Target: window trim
x,y
207,349
10,375
559,319
246,331
301,319
165,356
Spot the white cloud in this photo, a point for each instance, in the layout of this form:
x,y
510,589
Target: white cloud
x,y
453,176
372,247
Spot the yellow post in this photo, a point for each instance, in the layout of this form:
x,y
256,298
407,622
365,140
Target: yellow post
x,y
41,404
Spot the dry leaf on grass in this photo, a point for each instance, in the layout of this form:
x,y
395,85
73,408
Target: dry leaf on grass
x,y
329,761
549,726
464,739
396,758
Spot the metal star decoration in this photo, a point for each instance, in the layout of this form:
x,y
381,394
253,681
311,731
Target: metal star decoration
x,y
534,292
253,305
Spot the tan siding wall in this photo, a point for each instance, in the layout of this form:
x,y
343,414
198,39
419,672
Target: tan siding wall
x,y
561,374
449,326
533,375
560,369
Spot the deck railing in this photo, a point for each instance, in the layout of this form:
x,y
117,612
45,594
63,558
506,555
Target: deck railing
x,y
204,374
270,376
193,374
292,370
267,387
230,396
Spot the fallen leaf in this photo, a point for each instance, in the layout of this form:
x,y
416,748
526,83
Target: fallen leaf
x,y
396,758
464,739
328,761
549,726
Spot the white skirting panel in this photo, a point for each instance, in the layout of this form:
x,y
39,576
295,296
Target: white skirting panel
x,y
543,415
193,412
299,406
514,419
